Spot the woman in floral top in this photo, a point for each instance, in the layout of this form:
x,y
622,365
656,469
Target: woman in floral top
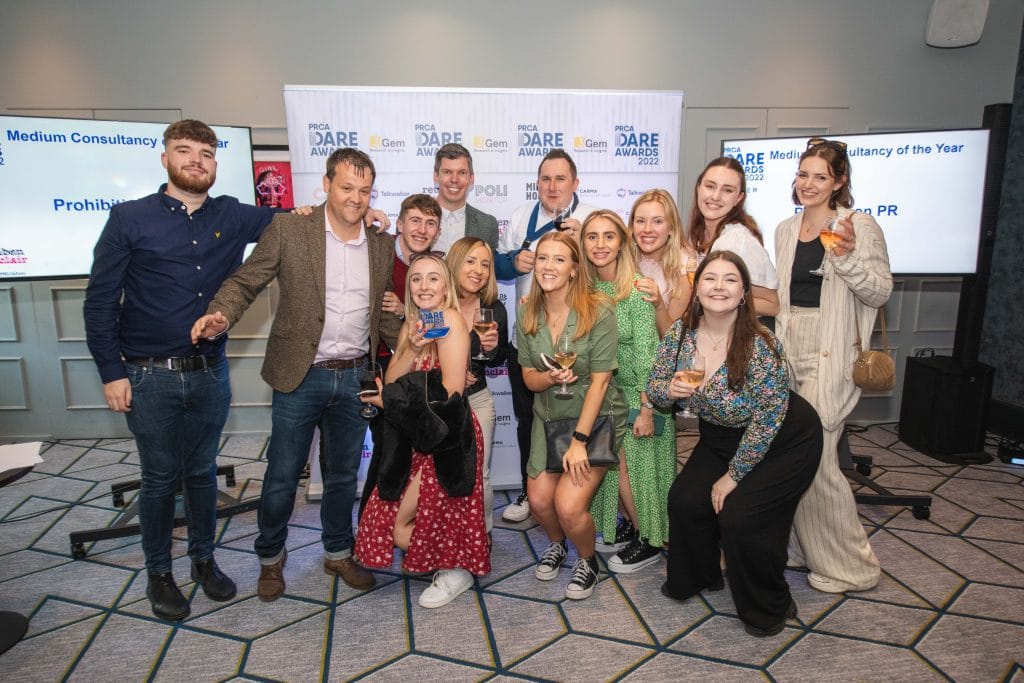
x,y
759,449
647,462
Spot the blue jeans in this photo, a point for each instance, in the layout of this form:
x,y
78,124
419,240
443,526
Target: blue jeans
x,y
177,419
325,398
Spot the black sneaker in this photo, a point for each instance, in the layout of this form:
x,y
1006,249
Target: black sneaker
x,y
625,533
636,556
584,578
550,561
165,597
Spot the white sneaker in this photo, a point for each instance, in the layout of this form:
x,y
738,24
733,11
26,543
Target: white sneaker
x,y
447,585
518,510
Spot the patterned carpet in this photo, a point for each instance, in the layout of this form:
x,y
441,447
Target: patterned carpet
x,y
950,605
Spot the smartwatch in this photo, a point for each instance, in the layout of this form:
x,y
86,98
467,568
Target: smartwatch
x,y
581,437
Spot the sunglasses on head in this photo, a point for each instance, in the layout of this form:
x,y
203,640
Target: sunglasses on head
x,y
837,145
433,252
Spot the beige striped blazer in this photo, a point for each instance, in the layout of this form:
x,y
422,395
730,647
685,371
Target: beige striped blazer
x,y
854,288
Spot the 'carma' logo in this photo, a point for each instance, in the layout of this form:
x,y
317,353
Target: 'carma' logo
x,y
631,143
323,139
379,143
537,143
429,138
585,144
482,143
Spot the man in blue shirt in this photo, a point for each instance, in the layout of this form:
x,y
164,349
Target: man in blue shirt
x,y
157,263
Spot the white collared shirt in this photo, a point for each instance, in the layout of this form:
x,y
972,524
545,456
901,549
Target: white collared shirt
x,y
453,228
346,297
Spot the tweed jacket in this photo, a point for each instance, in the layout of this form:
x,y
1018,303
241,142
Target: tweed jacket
x,y
855,286
482,225
293,249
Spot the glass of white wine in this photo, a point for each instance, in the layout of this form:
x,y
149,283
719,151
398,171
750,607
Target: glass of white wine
x,y
565,356
690,372
483,322
692,263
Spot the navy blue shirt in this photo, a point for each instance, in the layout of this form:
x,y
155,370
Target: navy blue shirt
x,y
154,269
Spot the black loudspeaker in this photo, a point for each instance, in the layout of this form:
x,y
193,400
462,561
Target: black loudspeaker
x,y
945,405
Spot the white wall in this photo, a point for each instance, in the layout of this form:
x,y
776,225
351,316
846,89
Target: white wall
x,y
225,61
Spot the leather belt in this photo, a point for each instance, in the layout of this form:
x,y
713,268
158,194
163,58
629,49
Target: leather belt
x,y
341,363
177,363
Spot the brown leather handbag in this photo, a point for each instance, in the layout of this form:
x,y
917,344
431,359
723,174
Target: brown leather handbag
x,y
875,370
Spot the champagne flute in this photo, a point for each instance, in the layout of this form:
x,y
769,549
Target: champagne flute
x,y
368,377
690,372
829,239
565,356
692,263
483,322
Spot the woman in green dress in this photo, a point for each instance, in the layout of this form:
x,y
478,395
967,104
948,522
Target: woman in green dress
x,y
560,302
647,461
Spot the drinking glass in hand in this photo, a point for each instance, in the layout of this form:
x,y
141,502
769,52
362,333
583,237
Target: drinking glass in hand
x,y
368,377
565,356
692,263
690,372
829,239
483,322
561,215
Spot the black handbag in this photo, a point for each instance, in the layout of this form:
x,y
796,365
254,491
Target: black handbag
x,y
600,445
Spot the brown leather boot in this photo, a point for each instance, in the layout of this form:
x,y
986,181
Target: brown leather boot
x,y
271,584
350,572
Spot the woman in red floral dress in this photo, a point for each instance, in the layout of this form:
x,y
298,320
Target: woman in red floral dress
x,y
438,532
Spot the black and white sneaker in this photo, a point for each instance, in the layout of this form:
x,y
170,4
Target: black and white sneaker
x,y
636,556
625,533
584,578
518,510
552,559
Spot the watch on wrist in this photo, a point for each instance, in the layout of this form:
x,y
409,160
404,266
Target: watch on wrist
x,y
647,404
581,437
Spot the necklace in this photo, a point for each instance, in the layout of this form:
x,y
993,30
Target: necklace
x,y
714,344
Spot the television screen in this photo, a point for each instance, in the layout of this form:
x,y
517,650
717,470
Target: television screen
x,y
924,189
59,178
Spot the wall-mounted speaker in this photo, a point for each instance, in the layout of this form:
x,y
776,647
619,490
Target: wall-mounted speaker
x,y
956,23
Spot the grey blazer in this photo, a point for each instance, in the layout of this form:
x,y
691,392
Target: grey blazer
x,y
482,225
293,249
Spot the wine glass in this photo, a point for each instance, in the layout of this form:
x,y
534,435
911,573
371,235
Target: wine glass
x,y
483,322
565,356
561,215
368,377
690,371
434,325
692,263
829,239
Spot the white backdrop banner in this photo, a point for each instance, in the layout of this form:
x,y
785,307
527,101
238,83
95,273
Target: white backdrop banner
x,y
623,143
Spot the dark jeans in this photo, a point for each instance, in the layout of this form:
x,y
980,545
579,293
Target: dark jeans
x,y
522,406
177,418
325,398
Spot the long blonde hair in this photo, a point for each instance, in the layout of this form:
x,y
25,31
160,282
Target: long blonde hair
x,y
456,258
412,311
625,263
581,298
671,260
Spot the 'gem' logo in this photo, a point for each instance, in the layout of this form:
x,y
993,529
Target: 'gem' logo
x,y
383,144
537,143
630,143
482,143
323,139
585,144
429,139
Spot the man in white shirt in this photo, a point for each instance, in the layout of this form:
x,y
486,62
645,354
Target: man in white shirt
x,y
454,178
558,208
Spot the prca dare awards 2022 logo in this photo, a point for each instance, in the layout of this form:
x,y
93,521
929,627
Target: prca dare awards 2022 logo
x,y
324,139
534,142
430,138
644,146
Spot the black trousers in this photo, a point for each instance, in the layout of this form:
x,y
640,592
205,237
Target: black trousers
x,y
522,406
753,527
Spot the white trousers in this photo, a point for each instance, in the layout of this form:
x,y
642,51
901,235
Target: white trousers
x,y
828,536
